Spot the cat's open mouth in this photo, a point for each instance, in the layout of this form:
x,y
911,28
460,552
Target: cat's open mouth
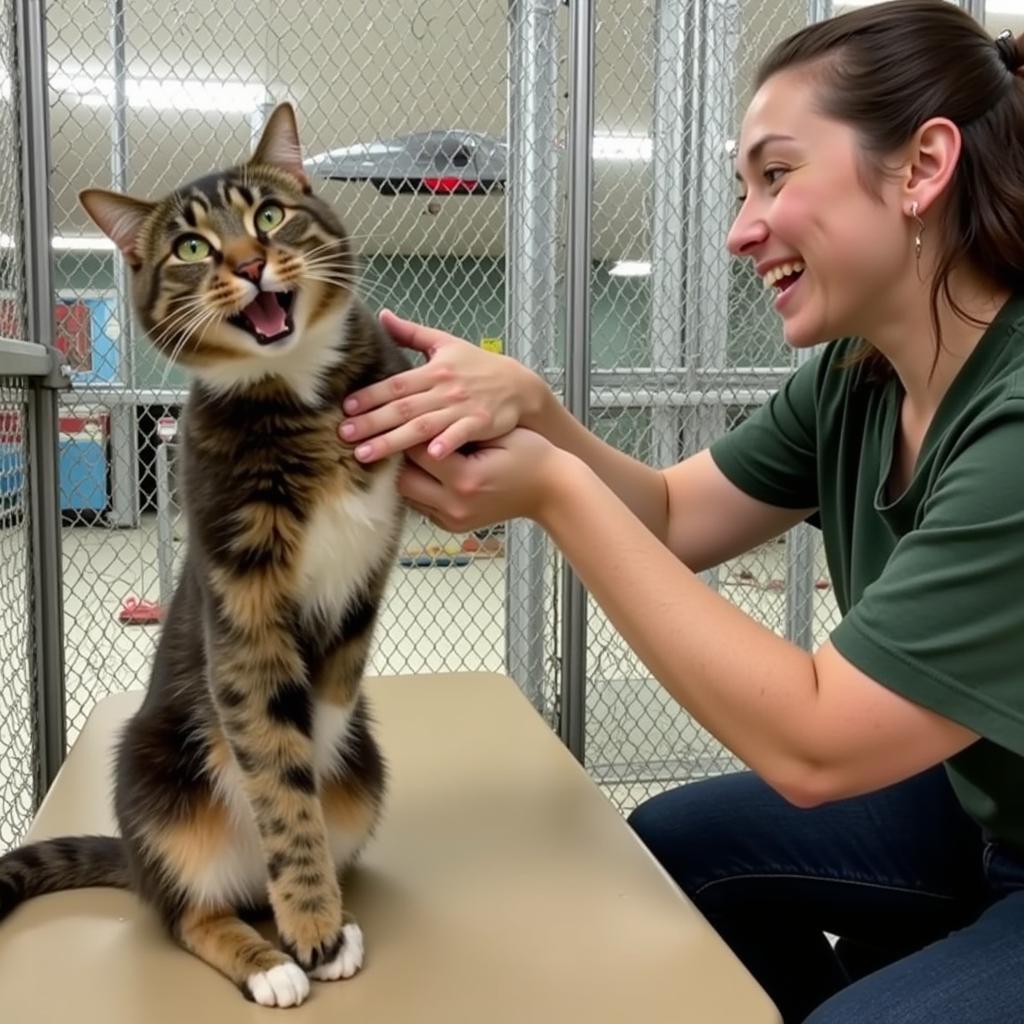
x,y
268,318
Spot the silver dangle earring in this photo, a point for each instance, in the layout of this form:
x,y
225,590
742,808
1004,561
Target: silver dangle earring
x,y
920,231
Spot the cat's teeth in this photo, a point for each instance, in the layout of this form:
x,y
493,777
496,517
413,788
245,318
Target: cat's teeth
x,y
781,271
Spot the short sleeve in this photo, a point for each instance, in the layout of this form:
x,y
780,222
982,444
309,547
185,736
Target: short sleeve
x,y
772,455
943,624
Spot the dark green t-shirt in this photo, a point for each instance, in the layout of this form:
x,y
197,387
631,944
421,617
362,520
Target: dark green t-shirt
x,y
931,584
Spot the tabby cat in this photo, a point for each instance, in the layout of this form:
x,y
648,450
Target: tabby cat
x,y
250,775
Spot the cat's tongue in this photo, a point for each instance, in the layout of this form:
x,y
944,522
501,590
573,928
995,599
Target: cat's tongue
x,y
267,315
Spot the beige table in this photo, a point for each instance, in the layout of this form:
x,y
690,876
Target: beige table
x,y
502,887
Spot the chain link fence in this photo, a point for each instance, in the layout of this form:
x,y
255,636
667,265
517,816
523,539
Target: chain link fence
x,y
685,343
17,733
438,131
146,96
17,782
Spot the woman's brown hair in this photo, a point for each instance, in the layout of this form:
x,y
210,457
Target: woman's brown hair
x,y
885,70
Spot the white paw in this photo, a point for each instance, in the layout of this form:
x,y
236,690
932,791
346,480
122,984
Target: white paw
x,y
283,985
348,960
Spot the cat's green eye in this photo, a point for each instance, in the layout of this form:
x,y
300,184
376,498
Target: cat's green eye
x,y
192,249
269,217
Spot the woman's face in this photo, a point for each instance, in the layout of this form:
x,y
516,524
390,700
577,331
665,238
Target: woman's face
x,y
831,251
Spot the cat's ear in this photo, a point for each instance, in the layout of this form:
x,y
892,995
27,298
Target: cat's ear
x,y
119,217
279,144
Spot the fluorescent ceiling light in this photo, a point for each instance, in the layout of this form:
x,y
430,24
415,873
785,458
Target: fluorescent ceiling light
x,y
228,97
86,243
606,147
622,147
631,268
81,243
991,6
366,149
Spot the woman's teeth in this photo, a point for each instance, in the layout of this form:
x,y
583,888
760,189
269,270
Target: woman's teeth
x,y
776,274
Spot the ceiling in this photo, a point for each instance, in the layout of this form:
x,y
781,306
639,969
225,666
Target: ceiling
x,y
358,72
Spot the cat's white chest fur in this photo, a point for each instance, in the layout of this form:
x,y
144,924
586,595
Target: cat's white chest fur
x,y
347,537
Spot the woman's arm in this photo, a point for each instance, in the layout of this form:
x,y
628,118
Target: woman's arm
x,y
464,394
812,725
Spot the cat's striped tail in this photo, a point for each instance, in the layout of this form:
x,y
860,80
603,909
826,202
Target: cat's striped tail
x,y
73,862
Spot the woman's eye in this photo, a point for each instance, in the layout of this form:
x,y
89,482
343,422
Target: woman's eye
x,y
772,174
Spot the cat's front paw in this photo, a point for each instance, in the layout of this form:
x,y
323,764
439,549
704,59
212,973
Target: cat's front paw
x,y
314,936
348,959
283,985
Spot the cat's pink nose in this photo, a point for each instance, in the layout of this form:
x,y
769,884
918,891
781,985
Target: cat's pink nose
x,y
252,269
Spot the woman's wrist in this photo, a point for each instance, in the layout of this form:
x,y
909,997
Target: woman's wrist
x,y
535,400
562,477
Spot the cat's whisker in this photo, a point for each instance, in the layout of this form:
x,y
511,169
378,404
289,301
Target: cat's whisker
x,y
199,327
335,243
348,272
195,326
362,236
190,302
322,273
170,325
321,263
188,329
372,302
171,328
378,293
202,317
345,274
328,264
333,261
337,274
308,253
171,361
347,256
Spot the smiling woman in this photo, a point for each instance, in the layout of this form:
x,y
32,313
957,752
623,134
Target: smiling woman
x,y
861,113
882,163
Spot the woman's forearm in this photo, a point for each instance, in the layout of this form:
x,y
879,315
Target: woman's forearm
x,y
750,688
637,485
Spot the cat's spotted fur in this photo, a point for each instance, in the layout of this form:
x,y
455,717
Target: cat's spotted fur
x,y
250,776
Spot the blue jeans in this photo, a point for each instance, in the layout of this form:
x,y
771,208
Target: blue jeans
x,y
930,916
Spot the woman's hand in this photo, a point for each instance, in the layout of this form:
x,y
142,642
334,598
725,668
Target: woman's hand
x,y
461,394
512,476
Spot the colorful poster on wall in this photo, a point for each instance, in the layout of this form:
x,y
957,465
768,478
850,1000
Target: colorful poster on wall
x,y
83,334
73,323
